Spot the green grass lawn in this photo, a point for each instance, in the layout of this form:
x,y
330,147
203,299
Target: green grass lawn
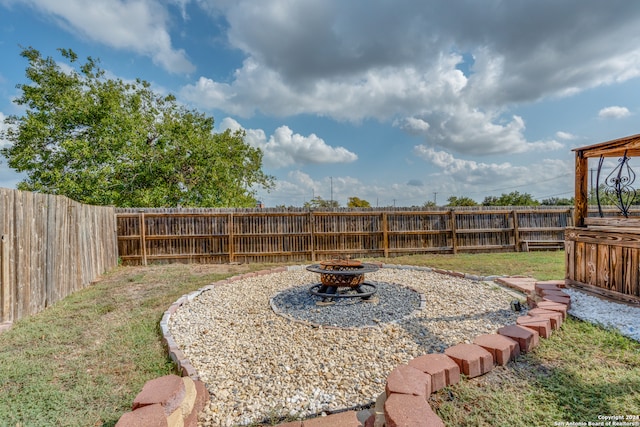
x,y
579,373
82,361
541,265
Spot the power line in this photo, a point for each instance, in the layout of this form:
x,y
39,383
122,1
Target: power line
x,y
555,195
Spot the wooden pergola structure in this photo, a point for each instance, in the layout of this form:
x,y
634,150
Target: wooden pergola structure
x,y
603,253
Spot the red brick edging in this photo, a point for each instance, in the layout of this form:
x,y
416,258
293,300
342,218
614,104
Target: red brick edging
x,y
404,401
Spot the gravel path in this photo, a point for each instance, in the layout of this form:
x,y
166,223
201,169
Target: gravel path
x,y
608,314
258,364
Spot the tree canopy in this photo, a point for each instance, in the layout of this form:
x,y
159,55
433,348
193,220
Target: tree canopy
x,y
557,201
104,141
461,201
356,202
319,202
512,199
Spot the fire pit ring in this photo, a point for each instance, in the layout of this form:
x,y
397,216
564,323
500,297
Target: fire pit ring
x,y
329,292
339,273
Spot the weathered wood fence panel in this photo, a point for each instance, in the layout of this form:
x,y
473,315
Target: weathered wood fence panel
x,y
225,235
605,261
50,247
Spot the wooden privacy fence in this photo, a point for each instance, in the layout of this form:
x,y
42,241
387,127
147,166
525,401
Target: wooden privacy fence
x,y
220,236
50,247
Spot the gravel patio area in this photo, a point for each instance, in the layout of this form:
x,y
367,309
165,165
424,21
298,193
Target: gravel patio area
x,y
257,363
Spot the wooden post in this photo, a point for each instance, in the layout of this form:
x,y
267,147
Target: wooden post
x,y
581,189
53,246
570,220
143,239
385,234
454,237
312,230
516,231
230,230
6,315
74,245
569,259
21,272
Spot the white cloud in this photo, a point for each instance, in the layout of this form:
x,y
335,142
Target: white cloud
x,y
136,25
486,178
413,125
467,171
565,135
296,189
303,180
285,148
379,93
471,131
299,187
614,112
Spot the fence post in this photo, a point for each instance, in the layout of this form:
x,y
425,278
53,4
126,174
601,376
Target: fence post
x,y
312,229
571,214
385,234
516,231
143,237
454,235
230,230
6,315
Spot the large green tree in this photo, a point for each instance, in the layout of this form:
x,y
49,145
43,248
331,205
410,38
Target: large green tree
x,y
104,141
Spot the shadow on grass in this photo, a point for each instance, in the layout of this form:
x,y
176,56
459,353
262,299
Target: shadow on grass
x,y
584,400
587,371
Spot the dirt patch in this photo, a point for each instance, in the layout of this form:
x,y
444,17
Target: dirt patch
x,y
219,268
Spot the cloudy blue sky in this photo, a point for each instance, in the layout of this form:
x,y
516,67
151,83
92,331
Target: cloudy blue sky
x,y
396,102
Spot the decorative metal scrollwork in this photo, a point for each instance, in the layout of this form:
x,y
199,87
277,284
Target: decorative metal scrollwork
x,y
617,188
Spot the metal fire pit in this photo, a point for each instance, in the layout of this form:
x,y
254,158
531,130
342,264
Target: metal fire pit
x,y
342,279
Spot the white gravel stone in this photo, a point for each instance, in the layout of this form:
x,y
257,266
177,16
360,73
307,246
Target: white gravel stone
x,y
257,364
608,314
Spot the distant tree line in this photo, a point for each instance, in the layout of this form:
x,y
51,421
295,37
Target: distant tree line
x,y
514,198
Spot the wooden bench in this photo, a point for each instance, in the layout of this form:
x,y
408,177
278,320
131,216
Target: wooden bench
x,y
543,245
